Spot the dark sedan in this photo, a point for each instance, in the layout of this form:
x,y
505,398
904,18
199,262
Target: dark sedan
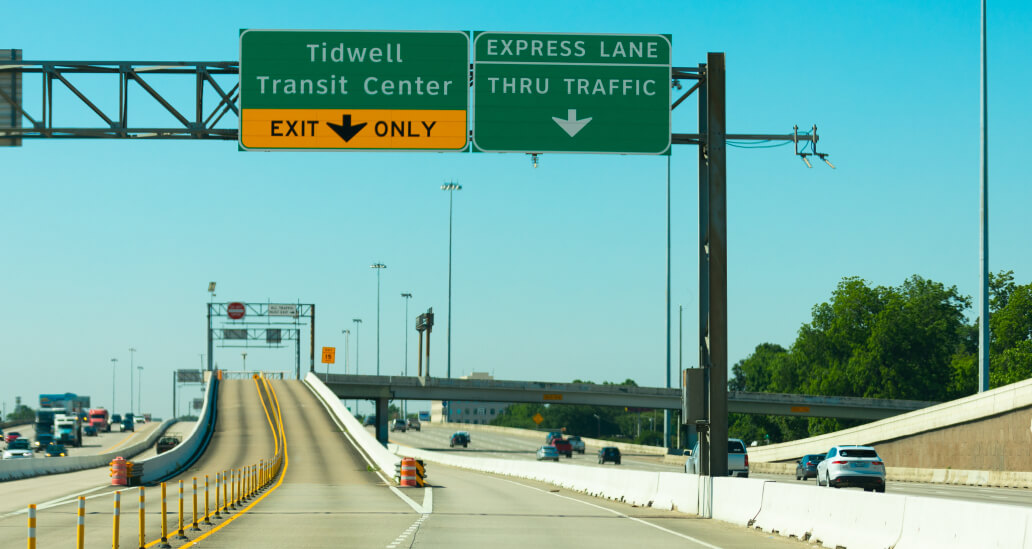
x,y
55,450
806,467
609,453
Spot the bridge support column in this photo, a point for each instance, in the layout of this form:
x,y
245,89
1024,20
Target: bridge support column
x,y
381,420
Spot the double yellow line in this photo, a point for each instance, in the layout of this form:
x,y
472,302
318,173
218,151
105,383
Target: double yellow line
x,y
278,434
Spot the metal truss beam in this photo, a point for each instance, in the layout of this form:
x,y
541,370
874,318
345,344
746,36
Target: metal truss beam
x,y
201,124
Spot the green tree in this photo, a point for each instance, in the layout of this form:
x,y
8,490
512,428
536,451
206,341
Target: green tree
x,y
22,413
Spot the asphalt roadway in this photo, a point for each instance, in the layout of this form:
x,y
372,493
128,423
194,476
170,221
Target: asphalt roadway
x,y
524,447
100,444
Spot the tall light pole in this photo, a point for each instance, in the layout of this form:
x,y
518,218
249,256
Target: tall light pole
x,y
139,390
132,351
406,296
379,267
451,187
244,354
983,273
114,363
347,335
358,324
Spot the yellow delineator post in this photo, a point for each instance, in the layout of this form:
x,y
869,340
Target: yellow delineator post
x,y
32,526
115,518
225,492
80,524
207,513
193,526
180,533
216,515
164,521
143,540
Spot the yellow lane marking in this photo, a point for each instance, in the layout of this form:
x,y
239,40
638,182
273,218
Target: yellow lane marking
x,y
275,435
283,474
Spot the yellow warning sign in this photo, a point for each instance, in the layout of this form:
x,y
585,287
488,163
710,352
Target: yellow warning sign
x,y
538,418
329,354
369,129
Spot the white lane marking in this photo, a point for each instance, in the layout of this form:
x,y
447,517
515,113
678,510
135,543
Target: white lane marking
x,y
60,501
408,532
415,506
428,500
615,512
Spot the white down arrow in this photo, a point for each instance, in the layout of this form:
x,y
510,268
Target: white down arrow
x,y
571,125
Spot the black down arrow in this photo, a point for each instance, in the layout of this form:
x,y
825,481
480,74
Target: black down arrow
x,y
345,130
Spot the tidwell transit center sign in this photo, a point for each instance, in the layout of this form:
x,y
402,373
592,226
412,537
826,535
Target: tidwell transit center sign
x,y
371,90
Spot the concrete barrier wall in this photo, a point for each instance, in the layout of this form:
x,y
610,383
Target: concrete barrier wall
x,y
832,518
11,469
172,461
383,459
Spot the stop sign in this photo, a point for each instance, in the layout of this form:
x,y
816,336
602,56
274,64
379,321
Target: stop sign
x,y
235,310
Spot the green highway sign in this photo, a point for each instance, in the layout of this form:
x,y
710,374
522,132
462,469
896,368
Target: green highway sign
x,y
572,93
366,90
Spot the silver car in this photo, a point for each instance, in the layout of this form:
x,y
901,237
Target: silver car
x,y
576,444
852,466
547,452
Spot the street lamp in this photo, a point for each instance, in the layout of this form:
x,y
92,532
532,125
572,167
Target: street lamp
x,y
379,267
244,354
139,390
114,362
347,335
451,187
358,324
132,351
406,296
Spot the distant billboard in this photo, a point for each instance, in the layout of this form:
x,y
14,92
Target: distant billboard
x,y
189,376
234,334
282,309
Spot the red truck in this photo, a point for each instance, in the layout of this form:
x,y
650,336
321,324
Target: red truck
x,y
99,420
562,446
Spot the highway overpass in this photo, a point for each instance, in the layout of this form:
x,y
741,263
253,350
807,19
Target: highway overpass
x,y
382,389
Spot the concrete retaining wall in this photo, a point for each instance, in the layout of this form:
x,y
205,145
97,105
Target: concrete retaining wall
x,y
985,431
156,468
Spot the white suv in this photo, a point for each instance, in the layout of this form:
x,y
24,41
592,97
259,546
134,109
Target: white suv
x,y
852,466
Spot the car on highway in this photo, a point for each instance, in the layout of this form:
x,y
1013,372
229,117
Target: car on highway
x,y
43,438
168,442
737,459
576,443
139,419
858,466
551,435
806,467
11,436
116,420
562,446
399,425
89,430
547,452
609,453
413,423
17,449
55,450
459,438
369,420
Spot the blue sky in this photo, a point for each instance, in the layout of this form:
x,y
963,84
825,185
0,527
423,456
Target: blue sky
x,y
558,270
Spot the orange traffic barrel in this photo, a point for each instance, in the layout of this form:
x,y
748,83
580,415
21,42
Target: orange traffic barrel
x,y
408,472
118,472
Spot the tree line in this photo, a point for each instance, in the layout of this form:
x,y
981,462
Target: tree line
x,y
911,341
